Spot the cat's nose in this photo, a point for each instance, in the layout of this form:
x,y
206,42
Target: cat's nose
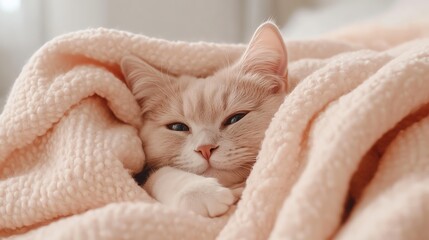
x,y
206,150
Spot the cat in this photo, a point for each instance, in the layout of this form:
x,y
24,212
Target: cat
x,y
201,136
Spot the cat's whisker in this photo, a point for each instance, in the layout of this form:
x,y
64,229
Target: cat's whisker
x,y
244,153
246,167
241,150
240,173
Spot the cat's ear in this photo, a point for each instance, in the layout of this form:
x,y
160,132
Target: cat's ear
x,y
143,79
266,54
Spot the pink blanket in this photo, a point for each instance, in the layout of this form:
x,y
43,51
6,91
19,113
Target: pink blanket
x,y
359,110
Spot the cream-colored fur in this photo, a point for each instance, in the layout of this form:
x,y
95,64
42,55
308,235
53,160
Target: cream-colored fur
x,y
185,179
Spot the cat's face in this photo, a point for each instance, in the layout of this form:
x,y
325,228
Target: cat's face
x,y
211,126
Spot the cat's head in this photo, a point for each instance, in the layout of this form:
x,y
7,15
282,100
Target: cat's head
x,y
211,126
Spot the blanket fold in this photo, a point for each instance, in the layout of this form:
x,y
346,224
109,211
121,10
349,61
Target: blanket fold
x,y
69,142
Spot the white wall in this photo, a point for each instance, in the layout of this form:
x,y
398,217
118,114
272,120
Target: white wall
x,y
63,16
191,20
20,36
24,30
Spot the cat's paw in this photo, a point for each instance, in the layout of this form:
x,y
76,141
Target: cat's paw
x,y
205,197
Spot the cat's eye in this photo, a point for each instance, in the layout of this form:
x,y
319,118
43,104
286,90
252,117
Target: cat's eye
x,y
178,126
234,118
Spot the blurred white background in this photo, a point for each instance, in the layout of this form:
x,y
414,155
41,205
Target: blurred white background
x,y
25,25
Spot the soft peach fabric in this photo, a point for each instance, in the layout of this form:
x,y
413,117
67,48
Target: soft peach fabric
x,y
69,142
